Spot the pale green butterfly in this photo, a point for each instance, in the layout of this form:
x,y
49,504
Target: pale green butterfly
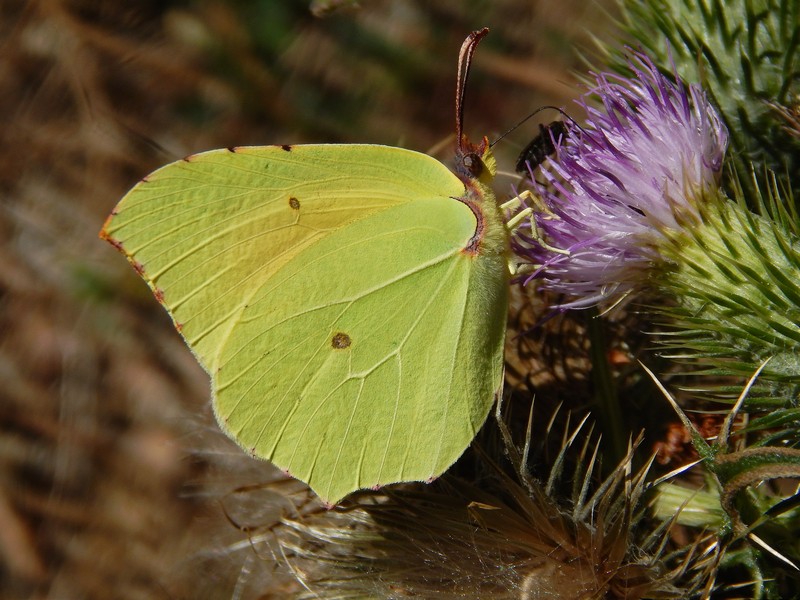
x,y
348,301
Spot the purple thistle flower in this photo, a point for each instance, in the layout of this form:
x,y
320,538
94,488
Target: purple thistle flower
x,y
646,155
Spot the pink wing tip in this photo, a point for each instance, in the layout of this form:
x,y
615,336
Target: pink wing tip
x,y
117,244
104,234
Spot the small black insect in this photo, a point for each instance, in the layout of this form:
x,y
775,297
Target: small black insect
x,y
542,146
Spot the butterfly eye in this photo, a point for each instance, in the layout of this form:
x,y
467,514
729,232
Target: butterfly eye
x,y
472,164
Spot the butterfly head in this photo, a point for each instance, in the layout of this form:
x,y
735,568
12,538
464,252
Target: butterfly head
x,y
475,161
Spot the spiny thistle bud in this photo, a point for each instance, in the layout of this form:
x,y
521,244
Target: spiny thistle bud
x,y
746,54
736,276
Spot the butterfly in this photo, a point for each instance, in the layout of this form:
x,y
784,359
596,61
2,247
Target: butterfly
x,y
348,301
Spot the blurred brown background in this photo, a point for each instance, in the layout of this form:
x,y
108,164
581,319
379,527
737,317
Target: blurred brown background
x,y
111,467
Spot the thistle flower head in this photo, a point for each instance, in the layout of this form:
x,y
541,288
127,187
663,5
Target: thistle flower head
x,y
649,151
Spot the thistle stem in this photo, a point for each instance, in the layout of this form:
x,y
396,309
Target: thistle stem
x,y
608,412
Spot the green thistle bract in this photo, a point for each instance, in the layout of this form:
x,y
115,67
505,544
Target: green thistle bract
x,y
746,54
736,277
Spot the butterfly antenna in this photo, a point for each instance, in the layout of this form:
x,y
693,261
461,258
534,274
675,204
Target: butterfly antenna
x,y
464,61
534,113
